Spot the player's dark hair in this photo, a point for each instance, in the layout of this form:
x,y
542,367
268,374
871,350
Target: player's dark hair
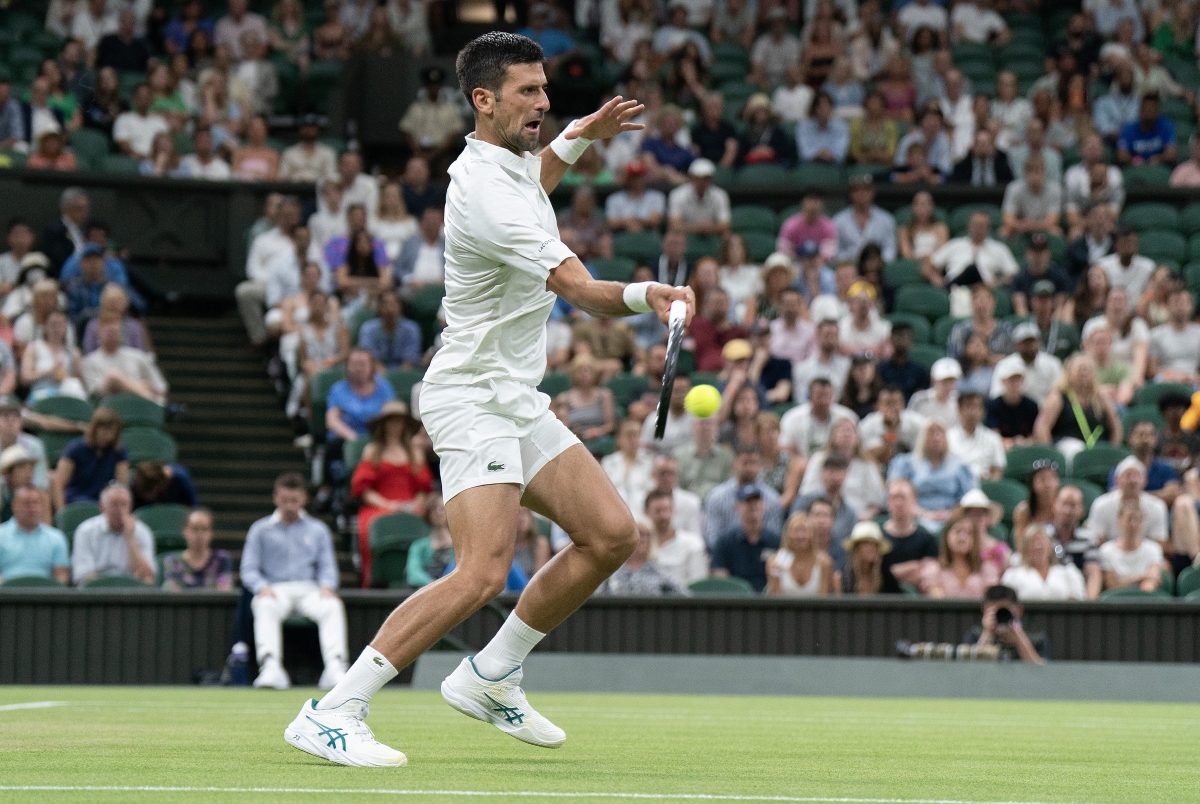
x,y
485,59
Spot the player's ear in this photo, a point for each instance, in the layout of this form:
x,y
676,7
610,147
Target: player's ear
x,y
483,100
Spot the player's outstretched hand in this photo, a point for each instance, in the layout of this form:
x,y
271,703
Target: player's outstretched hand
x,y
660,297
608,121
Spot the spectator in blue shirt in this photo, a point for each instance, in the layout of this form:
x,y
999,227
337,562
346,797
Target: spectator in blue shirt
x,y
666,160
1161,478
289,567
822,137
29,548
1149,140
1120,106
556,45
180,28
83,292
92,461
96,232
742,552
12,121
337,250
394,341
353,401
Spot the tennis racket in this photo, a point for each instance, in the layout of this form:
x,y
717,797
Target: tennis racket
x,y
674,344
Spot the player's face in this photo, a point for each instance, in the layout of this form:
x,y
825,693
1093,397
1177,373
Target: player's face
x,y
520,105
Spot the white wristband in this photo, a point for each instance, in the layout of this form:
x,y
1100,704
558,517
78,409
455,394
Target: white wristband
x,y
567,150
635,297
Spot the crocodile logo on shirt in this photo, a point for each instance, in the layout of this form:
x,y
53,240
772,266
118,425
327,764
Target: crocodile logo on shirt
x,y
495,467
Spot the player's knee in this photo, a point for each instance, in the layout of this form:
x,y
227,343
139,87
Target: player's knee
x,y
617,538
486,581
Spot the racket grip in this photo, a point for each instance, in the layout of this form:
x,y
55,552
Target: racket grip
x,y
678,312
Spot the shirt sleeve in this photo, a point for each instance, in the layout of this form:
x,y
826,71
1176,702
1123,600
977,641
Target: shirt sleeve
x,y
509,232
145,540
252,577
363,478
327,571
82,561
59,557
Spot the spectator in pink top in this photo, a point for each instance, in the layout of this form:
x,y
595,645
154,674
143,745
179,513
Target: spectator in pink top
x,y
792,337
810,223
238,22
1187,174
958,571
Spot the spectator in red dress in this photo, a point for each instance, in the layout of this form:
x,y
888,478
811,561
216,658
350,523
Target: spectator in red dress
x,y
392,475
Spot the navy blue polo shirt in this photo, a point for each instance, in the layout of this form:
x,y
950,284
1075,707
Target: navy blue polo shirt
x,y
744,560
93,469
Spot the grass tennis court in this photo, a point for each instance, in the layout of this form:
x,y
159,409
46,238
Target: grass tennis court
x,y
82,740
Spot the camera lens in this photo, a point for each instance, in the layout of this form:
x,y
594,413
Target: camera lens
x,y
1004,616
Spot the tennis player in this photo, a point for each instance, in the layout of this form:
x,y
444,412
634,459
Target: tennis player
x,y
499,444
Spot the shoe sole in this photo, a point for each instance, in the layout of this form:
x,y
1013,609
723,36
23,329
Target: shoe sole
x,y
301,742
473,710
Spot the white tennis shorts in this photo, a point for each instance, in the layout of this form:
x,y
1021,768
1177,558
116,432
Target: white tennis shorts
x,y
499,431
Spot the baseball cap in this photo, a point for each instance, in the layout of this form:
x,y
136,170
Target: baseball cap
x,y
1037,242
737,349
1013,369
701,168
750,491
975,499
1129,462
635,168
1044,287
1026,330
808,248
945,368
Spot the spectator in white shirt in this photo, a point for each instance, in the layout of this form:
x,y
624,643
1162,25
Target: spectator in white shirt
x,y
979,447
239,21
971,259
1126,268
203,162
977,21
806,428
117,369
679,553
793,338
687,505
1032,204
891,429
636,208
328,222
919,14
308,159
792,99
1035,143
1040,576
827,361
252,293
357,187
630,467
774,52
91,23
698,207
861,329
940,402
134,131
1130,559
1175,345
957,108
422,259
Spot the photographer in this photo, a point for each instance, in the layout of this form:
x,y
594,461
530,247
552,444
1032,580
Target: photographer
x,y
1002,627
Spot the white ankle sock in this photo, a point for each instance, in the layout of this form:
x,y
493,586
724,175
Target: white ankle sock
x,y
364,678
507,649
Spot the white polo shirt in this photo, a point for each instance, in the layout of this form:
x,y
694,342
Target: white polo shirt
x,y
139,130
1040,378
1102,519
981,451
994,260
1133,277
501,244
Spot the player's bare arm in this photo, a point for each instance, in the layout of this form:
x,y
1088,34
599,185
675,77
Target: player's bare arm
x,y
572,282
608,121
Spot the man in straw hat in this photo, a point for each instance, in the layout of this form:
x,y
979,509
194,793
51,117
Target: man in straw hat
x,y
500,445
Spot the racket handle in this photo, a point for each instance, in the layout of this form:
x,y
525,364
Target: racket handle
x,y
678,312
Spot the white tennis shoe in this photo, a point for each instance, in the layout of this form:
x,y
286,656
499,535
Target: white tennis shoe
x,y
340,735
501,703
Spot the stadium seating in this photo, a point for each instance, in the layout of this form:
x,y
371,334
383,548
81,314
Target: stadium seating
x,y
65,407
389,538
135,411
114,582
30,581
69,517
1095,464
1008,493
721,587
1021,460
149,444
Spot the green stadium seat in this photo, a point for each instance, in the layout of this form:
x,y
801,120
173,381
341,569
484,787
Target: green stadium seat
x,y
169,543
926,300
753,217
866,169
978,70
926,354
898,273
148,444
723,71
27,581
1188,581
1141,413
390,536
1003,303
1192,597
118,164
90,145
1022,52
424,307
728,51
1024,69
115,582
1150,393
641,247
1094,464
69,517
961,214
942,328
1150,215
554,383
970,51
1089,490
1007,493
622,385
601,446
1163,245
703,246
318,392
1131,593
135,411
1191,271
818,174
919,323
354,325
903,215
352,452
721,587
323,76
760,245
65,407
164,517
1177,109
1147,175
55,443
613,269
1021,460
766,176
1189,219
403,380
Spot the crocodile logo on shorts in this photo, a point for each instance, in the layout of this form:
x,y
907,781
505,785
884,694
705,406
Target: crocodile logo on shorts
x,y
495,467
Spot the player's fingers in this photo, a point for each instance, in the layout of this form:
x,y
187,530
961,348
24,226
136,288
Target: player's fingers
x,y
632,126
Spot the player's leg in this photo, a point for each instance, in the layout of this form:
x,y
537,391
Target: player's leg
x,y
270,610
329,613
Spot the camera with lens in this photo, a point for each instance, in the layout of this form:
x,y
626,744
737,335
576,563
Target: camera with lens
x,y
1004,616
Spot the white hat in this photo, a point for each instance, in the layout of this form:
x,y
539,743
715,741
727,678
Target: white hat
x,y
1093,324
1008,369
1129,463
945,368
824,308
1026,330
701,168
975,499
14,455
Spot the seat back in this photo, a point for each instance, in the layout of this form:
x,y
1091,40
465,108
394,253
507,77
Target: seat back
x,y
114,581
135,411
149,444
390,537
721,587
69,517
31,580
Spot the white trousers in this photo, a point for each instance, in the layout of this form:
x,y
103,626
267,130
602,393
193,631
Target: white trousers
x,y
304,598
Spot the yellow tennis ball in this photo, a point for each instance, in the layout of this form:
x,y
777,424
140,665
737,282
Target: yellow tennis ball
x,y
702,401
